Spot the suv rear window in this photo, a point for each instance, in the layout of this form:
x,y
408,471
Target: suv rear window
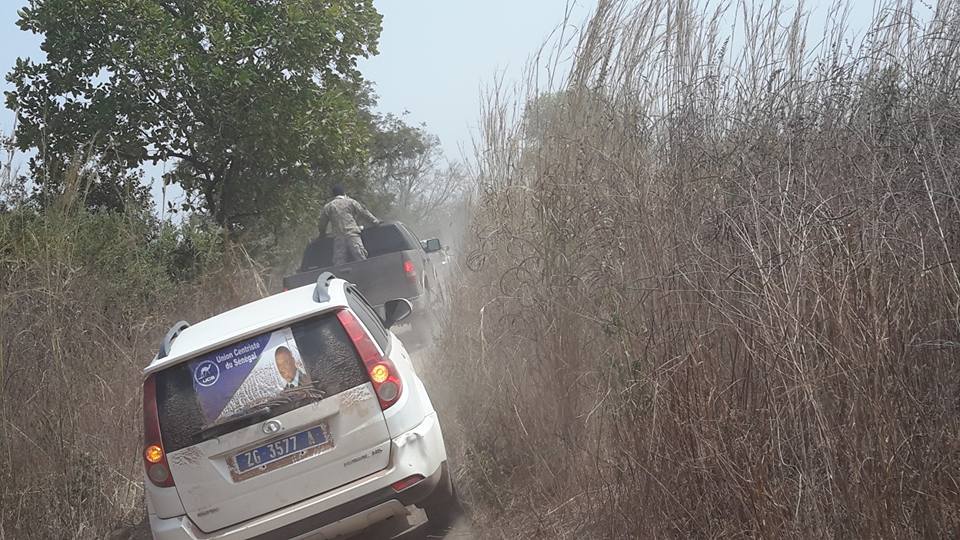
x,y
388,238
249,381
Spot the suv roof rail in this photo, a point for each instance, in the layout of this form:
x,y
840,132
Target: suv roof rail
x,y
171,335
321,292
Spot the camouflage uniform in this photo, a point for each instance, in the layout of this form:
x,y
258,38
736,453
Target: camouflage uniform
x,y
348,249
342,214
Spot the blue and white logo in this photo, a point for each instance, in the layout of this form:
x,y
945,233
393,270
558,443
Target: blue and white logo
x,y
206,373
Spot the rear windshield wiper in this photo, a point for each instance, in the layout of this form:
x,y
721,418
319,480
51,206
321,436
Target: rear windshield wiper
x,y
264,410
295,395
221,426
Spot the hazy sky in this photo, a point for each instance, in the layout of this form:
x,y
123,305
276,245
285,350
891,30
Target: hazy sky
x,y
436,54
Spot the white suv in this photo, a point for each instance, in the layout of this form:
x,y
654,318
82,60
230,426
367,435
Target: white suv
x,y
296,416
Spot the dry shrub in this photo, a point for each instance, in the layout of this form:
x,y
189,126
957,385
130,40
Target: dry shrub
x,y
713,285
83,305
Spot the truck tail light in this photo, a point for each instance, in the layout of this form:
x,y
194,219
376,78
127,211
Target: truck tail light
x,y
409,270
383,374
154,457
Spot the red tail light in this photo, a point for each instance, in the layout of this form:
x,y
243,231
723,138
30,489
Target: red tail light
x,y
382,372
410,270
154,457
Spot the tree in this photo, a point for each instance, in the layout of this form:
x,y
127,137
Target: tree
x,y
254,100
406,164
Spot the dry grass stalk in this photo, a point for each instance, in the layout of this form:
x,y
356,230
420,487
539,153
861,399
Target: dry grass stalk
x,y
714,287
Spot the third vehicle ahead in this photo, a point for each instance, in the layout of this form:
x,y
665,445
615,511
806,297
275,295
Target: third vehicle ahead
x,y
398,265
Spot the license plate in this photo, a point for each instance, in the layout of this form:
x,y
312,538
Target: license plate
x,y
297,443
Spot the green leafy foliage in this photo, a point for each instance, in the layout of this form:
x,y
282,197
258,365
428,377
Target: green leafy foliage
x,y
135,258
255,100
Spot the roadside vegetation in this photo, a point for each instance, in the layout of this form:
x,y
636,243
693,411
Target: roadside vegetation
x,y
83,296
712,283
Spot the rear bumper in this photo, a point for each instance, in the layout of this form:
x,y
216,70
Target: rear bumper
x,y
360,513
350,508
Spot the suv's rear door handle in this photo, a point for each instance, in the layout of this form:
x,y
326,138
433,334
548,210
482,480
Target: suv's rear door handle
x,y
346,270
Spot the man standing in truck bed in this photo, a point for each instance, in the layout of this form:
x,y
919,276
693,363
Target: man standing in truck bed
x,y
344,216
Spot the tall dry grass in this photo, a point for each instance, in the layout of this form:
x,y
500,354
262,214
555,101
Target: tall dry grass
x,y
84,300
714,283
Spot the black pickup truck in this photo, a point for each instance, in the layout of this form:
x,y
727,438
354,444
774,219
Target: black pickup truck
x,y
398,265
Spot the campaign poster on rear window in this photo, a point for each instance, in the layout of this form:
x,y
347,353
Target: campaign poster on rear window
x,y
239,377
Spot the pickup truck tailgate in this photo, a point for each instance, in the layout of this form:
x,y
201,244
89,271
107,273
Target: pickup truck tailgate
x,y
382,278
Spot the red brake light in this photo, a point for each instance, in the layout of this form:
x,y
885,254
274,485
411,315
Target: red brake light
x,y
382,372
410,270
154,457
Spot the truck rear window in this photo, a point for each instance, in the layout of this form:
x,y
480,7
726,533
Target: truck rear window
x,y
378,241
249,381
